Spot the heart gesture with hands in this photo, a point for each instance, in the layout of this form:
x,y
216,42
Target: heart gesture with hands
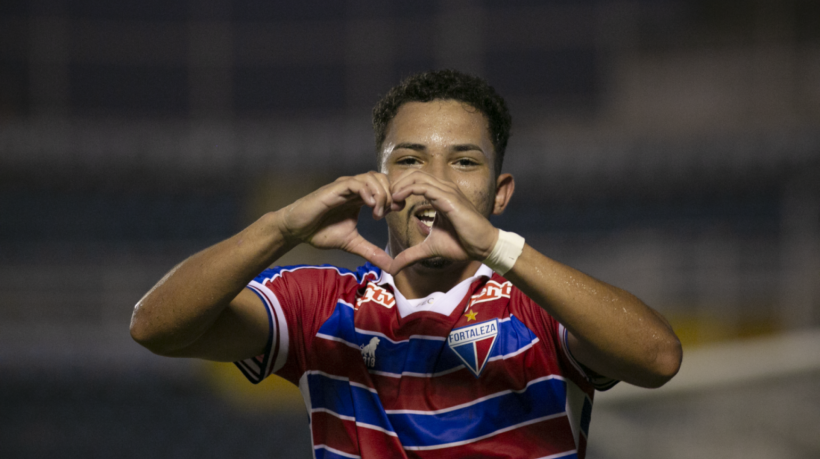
x,y
328,219
460,232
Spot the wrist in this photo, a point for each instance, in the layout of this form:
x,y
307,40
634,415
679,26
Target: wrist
x,y
508,247
276,222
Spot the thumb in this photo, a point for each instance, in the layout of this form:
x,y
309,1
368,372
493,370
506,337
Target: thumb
x,y
410,256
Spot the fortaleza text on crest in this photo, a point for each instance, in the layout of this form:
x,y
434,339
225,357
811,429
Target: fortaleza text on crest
x,y
474,343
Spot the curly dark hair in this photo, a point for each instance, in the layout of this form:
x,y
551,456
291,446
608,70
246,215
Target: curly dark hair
x,y
447,84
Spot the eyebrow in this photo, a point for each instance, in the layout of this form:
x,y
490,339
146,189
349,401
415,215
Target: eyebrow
x,y
410,146
421,147
467,147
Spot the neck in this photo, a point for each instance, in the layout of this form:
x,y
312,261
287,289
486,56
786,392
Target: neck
x,y
418,281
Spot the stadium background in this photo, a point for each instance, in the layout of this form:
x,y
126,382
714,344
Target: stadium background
x,y
671,147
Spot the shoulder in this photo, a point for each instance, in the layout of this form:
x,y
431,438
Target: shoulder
x,y
316,275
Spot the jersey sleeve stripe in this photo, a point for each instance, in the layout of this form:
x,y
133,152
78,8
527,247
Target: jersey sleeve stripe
x,y
562,332
600,383
275,355
281,355
256,368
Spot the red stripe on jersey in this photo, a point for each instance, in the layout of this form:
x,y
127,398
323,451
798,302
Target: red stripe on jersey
x,y
333,432
388,322
482,348
459,387
544,438
346,361
375,443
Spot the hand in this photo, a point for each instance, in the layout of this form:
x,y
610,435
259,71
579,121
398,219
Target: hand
x,y
460,231
328,217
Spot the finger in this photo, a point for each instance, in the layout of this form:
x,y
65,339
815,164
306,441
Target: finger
x,y
413,177
380,193
421,179
345,190
360,187
385,183
409,256
440,199
370,252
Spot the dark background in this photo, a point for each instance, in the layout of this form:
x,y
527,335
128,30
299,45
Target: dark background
x,y
670,147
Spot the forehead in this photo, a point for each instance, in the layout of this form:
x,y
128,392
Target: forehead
x,y
448,121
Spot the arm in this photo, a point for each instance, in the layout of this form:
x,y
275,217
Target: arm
x,y
201,308
610,331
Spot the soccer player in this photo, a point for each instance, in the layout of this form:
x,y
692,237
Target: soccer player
x,y
459,340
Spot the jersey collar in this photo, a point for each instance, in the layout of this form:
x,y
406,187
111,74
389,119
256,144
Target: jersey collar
x,y
438,302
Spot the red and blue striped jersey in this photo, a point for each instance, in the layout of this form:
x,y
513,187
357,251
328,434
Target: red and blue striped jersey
x,y
479,371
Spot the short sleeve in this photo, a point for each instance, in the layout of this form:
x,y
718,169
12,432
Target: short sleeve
x,y
298,299
276,350
599,382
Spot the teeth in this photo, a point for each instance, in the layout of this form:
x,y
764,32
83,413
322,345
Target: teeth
x,y
427,217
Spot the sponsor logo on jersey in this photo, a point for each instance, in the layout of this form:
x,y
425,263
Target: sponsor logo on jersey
x,y
474,343
377,295
369,352
492,290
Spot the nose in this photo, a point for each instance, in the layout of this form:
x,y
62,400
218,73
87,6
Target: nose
x,y
437,167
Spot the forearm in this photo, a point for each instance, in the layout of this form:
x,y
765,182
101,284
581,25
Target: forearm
x,y
184,304
616,333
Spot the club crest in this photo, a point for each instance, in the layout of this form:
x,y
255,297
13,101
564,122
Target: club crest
x,y
474,343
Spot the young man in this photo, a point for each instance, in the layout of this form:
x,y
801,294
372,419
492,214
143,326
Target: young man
x,y
460,341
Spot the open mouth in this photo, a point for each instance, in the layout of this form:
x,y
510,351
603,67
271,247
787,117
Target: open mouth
x,y
427,216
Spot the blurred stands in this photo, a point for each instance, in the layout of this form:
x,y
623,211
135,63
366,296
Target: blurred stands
x,y
669,147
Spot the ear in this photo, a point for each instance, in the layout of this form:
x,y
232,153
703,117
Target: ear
x,y
504,188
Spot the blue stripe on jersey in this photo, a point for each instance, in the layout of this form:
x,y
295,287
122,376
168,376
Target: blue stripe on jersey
x,y
345,399
419,355
367,268
323,452
331,394
543,398
512,336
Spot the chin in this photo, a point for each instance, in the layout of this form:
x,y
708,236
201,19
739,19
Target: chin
x,y
435,263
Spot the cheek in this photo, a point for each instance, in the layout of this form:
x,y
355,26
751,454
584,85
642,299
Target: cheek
x,y
393,219
480,195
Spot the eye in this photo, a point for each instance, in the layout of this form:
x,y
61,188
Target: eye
x,y
408,161
466,162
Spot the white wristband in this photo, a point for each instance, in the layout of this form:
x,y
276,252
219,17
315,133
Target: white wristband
x,y
505,253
